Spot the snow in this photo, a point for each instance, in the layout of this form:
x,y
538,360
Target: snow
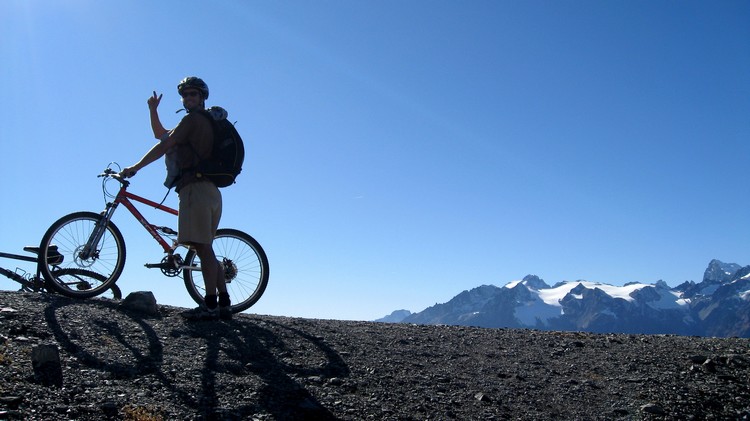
x,y
512,284
669,299
552,296
546,303
529,312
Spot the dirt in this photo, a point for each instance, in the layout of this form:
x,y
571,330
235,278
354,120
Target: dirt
x,y
120,364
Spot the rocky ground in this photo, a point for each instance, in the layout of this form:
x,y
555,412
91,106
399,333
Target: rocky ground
x,y
124,364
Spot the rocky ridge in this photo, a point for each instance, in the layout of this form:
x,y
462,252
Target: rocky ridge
x,y
116,363
718,306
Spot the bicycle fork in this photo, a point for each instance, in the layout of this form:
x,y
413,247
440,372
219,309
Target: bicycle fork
x,y
89,250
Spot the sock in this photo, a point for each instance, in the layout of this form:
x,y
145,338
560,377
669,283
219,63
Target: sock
x,y
224,300
211,302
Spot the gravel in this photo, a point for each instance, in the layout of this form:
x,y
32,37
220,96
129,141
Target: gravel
x,y
119,364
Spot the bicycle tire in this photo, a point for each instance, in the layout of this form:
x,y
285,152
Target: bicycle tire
x,y
116,292
81,274
246,269
60,249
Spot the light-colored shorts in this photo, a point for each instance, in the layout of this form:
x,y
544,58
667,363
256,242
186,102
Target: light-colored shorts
x,y
199,213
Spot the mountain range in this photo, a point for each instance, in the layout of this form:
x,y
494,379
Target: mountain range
x,y
717,306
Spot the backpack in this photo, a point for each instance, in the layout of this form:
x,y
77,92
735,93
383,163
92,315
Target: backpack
x,y
228,152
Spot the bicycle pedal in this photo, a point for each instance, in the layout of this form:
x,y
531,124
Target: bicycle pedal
x,y
162,265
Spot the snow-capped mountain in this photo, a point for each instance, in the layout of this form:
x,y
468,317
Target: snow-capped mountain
x,y
717,306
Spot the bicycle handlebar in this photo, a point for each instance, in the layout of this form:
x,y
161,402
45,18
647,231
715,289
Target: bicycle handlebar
x,y
110,173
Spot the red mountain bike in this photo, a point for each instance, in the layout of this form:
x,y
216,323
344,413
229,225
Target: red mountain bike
x,y
90,241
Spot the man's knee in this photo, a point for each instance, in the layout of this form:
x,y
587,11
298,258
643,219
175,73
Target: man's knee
x,y
202,248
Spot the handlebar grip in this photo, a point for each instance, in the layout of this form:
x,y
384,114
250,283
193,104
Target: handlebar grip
x,y
110,173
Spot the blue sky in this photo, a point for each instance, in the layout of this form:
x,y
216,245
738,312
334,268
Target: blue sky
x,y
399,152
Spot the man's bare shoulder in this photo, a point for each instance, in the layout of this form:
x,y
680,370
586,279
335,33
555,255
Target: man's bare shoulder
x,y
192,121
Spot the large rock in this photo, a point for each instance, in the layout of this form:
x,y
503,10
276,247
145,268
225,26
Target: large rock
x,y
141,302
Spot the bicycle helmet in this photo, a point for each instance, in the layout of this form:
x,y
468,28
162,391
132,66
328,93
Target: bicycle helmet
x,y
195,83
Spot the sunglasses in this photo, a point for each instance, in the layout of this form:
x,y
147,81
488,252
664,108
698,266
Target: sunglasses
x,y
186,94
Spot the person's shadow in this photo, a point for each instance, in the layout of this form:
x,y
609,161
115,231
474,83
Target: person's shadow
x,y
237,356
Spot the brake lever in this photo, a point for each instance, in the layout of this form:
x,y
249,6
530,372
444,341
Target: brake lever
x,y
107,172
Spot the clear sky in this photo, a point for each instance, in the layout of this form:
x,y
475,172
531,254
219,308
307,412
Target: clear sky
x,y
399,152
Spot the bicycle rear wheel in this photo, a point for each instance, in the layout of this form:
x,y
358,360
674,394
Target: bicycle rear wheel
x,y
84,279
245,269
65,268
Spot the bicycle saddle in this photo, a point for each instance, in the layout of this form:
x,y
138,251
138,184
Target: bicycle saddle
x,y
54,258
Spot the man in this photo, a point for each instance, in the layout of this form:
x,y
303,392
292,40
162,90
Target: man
x,y
200,200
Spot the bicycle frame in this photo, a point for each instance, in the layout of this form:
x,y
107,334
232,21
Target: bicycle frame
x,y
126,198
33,283
18,257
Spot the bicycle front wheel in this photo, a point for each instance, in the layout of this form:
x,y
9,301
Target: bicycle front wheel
x,y
245,269
65,266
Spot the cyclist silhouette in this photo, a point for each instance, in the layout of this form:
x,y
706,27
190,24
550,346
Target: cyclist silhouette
x,y
200,202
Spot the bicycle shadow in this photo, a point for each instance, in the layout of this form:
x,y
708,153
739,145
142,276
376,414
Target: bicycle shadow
x,y
249,366
89,339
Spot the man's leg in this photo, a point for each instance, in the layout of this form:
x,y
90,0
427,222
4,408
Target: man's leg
x,y
199,215
216,286
213,276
